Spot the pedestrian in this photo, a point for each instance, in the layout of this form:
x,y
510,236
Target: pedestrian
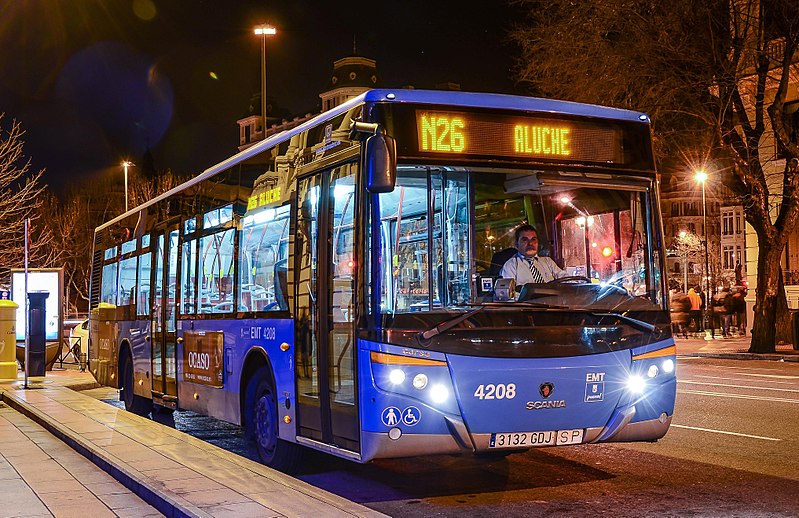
x,y
680,307
722,306
695,312
738,305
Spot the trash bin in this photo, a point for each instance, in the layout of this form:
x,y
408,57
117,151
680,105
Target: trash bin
x,y
8,339
795,328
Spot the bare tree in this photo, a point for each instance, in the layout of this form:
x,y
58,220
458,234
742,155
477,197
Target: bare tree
x,y
714,75
73,222
21,197
72,227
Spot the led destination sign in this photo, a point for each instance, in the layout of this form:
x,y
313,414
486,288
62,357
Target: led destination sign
x,y
513,136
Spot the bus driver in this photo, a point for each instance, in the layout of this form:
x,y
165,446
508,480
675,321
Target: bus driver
x,y
527,266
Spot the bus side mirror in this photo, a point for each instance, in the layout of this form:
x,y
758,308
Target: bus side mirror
x,y
381,163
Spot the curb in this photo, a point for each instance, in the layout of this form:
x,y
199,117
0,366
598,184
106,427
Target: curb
x,y
164,503
744,356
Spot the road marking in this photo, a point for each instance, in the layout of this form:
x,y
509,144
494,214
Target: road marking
x,y
725,433
731,367
749,387
739,396
790,380
775,376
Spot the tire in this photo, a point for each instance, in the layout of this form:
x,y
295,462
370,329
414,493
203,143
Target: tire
x,y
261,423
133,403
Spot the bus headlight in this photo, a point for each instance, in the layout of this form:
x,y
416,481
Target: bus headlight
x,y
439,393
420,381
396,376
636,384
652,371
668,366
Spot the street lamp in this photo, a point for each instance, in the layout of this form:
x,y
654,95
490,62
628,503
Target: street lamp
x,y
701,177
125,165
263,31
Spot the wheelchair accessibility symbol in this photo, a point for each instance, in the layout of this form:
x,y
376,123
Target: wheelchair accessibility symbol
x,y
390,416
411,416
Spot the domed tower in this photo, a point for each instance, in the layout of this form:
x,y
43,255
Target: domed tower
x,y
351,76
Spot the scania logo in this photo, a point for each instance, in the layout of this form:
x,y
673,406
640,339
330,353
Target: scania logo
x,y
546,389
544,405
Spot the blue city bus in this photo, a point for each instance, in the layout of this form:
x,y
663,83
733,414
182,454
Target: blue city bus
x,y
338,286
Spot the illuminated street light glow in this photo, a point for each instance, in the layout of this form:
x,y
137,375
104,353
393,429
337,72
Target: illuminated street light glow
x,y
263,31
125,165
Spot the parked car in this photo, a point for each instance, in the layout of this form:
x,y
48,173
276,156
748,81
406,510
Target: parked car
x,y
79,335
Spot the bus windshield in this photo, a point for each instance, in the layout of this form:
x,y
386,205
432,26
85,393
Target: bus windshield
x,y
446,233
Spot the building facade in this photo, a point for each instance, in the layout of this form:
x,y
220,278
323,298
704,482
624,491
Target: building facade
x,y
351,76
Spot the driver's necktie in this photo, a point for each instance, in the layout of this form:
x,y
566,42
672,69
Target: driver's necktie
x,y
537,277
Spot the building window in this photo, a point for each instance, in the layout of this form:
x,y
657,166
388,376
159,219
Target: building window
x,y
726,222
728,257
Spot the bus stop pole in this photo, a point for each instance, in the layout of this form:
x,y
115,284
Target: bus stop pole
x,y
27,320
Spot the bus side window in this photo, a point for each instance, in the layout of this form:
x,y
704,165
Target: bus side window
x,y
108,290
263,265
143,283
216,273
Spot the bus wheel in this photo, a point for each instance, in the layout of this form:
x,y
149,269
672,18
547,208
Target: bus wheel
x,y
133,403
262,422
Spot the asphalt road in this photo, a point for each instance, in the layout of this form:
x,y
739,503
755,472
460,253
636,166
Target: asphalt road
x,y
732,451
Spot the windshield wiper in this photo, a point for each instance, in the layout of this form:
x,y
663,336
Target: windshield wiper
x,y
640,324
424,337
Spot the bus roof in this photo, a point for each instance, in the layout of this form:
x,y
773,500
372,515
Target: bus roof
x,y
409,96
501,101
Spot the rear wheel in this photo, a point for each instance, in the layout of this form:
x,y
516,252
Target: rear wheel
x,y
133,403
262,424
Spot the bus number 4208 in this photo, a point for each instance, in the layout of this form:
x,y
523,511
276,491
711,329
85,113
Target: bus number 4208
x,y
498,391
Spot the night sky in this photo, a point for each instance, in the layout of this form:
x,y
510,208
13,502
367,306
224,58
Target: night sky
x,y
95,82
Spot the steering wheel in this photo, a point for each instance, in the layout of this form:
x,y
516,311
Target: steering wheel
x,y
570,278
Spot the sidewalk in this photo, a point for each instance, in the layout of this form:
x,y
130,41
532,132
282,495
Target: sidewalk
x,y
42,476
736,348
159,466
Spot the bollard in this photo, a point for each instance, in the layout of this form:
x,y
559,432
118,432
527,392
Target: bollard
x,y
8,339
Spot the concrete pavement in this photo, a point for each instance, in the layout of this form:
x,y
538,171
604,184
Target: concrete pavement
x,y
736,348
161,468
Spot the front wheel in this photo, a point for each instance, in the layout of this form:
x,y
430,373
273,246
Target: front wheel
x,y
133,403
262,424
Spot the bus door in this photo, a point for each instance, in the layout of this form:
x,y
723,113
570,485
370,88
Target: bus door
x,y
325,325
164,361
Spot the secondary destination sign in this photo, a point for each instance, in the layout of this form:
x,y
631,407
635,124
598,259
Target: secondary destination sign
x,y
460,133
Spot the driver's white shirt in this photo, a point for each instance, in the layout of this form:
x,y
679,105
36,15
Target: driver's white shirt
x,y
518,269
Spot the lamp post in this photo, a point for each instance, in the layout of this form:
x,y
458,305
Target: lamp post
x,y
684,247
125,166
263,31
701,177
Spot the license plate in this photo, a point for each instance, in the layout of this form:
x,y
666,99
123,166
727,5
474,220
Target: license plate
x,y
534,439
